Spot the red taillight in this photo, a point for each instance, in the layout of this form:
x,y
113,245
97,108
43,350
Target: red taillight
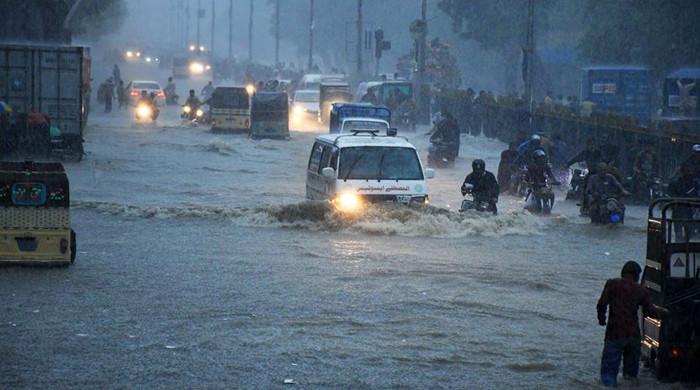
x,y
134,93
64,245
675,353
160,94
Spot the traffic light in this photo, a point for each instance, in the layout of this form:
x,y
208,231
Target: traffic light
x,y
379,43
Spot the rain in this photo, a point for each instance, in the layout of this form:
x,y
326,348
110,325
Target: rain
x,y
349,194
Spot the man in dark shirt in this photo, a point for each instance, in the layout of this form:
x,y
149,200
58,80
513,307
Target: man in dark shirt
x,y
622,298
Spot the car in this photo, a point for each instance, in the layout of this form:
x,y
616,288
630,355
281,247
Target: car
x,y
351,170
306,105
134,88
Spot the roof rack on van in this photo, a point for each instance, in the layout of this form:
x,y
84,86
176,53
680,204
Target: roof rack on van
x,y
365,131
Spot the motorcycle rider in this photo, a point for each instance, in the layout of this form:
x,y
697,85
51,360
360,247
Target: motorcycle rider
x,y
539,170
591,156
684,185
482,185
601,186
507,165
149,100
194,103
645,168
447,135
693,161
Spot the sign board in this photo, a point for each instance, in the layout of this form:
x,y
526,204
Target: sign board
x,y
679,263
604,88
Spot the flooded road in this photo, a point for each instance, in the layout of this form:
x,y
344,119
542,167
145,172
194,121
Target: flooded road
x,y
200,265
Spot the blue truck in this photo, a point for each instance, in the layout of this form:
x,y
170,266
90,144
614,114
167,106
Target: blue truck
x,y
624,89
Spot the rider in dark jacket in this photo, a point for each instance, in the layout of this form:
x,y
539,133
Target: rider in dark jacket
x,y
447,133
482,185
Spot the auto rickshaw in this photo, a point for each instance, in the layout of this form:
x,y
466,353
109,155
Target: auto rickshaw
x,y
671,339
269,115
230,109
35,223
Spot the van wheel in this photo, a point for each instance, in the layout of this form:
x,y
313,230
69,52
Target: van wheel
x,y
73,246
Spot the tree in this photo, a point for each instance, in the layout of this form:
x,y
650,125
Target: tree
x,y
497,25
42,20
663,34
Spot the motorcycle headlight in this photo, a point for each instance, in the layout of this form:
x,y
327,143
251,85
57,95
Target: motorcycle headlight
x,y
187,109
144,111
199,112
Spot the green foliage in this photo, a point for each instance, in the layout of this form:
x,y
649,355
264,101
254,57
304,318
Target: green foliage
x,y
661,33
97,17
494,24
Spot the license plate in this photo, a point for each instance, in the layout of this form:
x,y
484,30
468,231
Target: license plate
x,y
403,199
26,244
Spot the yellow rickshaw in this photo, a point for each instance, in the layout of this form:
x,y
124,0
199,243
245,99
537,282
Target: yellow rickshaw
x,y
230,109
35,223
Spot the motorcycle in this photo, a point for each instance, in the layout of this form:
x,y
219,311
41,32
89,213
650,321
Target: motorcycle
x,y
146,111
441,155
576,185
645,187
607,210
540,198
474,203
519,183
193,115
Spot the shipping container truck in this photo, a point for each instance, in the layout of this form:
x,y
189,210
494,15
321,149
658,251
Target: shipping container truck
x,y
54,80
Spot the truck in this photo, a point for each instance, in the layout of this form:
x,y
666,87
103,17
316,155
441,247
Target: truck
x,y
624,89
53,80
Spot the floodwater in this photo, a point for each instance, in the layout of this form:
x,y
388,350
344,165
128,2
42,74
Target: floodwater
x,y
201,265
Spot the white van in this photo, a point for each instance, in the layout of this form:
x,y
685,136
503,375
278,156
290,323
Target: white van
x,y
351,169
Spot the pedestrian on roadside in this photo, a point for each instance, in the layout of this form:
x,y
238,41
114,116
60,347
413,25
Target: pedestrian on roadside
x,y
108,95
121,94
117,74
621,298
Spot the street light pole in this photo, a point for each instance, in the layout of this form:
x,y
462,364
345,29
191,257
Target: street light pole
x,y
250,33
421,101
199,10
359,40
213,24
277,33
230,30
311,34
530,56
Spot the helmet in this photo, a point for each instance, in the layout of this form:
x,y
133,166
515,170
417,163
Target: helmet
x,y
478,166
631,268
696,148
144,93
535,137
601,167
191,91
540,156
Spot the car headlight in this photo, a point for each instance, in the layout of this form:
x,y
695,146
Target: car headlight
x,y
348,202
144,111
199,112
196,68
187,109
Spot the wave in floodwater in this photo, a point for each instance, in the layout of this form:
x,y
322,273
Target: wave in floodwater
x,y
380,219
217,147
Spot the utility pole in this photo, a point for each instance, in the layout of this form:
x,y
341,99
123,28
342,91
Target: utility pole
x,y
419,31
230,30
213,24
311,35
187,24
359,40
199,17
250,33
277,33
530,56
